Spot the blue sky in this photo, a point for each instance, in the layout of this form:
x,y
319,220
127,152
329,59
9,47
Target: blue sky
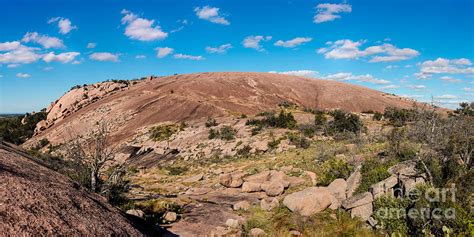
x,y
414,48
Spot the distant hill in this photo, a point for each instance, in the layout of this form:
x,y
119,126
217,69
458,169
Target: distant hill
x,y
130,106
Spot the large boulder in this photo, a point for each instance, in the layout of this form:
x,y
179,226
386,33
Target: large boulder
x,y
384,187
309,201
353,182
338,190
233,180
249,187
363,212
358,200
273,188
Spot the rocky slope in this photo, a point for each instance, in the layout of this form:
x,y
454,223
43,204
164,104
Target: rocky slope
x,y
38,201
133,107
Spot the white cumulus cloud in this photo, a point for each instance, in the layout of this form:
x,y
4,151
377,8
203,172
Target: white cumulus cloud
x,y
444,66
141,28
220,49
18,54
91,45
23,75
163,52
104,56
44,40
330,12
300,73
62,57
253,42
348,49
186,56
293,42
347,76
210,14
64,24
450,79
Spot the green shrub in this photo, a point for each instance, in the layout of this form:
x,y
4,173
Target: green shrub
x,y
399,117
225,133
320,119
298,140
176,170
332,169
244,151
373,171
377,116
163,132
273,144
283,120
307,129
211,122
390,212
345,122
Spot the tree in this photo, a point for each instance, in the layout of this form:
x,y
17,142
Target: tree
x,y
93,152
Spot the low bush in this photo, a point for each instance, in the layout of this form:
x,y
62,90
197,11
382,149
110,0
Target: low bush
x,y
332,169
298,140
399,117
373,171
225,133
283,120
211,122
377,116
163,132
345,122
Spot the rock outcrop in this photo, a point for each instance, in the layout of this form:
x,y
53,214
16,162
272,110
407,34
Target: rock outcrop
x,y
37,201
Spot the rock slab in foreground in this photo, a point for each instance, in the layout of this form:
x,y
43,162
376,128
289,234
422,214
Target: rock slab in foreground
x,y
309,201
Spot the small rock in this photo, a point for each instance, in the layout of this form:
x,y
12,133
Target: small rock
x,y
312,176
217,171
287,168
257,232
358,200
269,203
273,189
170,216
241,205
248,187
309,201
232,223
136,212
230,180
295,233
372,222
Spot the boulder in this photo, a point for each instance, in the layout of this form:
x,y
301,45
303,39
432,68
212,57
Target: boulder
x,y
384,187
353,182
232,223
230,180
358,200
136,212
257,232
248,187
170,216
195,178
258,178
338,189
241,205
308,201
273,188
363,212
269,203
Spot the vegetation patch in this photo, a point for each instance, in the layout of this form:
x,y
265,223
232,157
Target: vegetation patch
x,y
163,132
224,133
332,169
282,120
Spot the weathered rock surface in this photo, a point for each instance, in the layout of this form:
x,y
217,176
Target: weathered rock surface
x,y
363,211
353,181
257,232
269,203
233,180
170,216
249,187
241,205
37,201
384,187
136,212
358,200
308,201
273,188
